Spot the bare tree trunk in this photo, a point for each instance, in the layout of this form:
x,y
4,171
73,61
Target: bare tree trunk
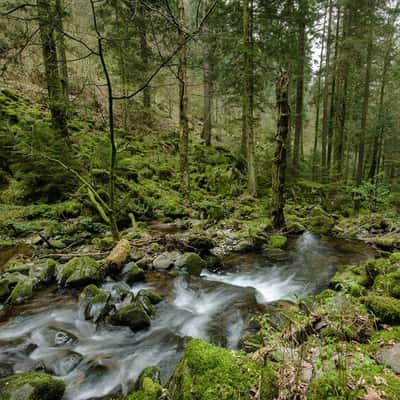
x,y
183,104
113,159
279,161
325,117
57,104
299,96
248,97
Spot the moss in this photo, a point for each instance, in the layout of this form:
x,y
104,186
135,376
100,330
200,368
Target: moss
x,y
192,263
31,386
388,285
151,295
378,267
207,372
388,242
79,271
133,315
133,273
151,372
278,241
387,309
7,243
351,281
395,258
268,383
329,386
44,271
94,303
150,391
22,291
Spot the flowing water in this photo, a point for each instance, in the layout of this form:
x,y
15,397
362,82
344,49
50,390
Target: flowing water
x,y
48,334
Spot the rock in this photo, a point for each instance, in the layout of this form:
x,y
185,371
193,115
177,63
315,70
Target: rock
x,y
191,263
389,242
31,386
133,315
55,337
390,357
153,296
277,241
213,262
44,271
22,291
146,263
166,260
63,362
78,272
388,285
5,288
6,370
243,246
216,372
132,273
387,309
151,372
319,221
118,256
94,303
149,389
295,228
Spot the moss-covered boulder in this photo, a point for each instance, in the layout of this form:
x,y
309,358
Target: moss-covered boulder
x,y
386,308
277,241
151,295
207,372
31,386
191,263
319,221
79,271
133,273
390,242
94,303
149,390
22,291
380,266
152,372
350,279
388,285
133,315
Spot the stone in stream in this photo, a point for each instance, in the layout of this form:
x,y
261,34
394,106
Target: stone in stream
x,y
191,263
148,386
79,272
63,362
22,291
166,260
390,357
132,273
6,370
44,271
31,386
133,315
57,337
94,303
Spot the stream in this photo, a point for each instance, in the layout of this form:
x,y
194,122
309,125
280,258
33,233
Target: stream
x,y
49,334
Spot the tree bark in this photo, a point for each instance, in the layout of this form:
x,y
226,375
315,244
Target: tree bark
x,y
279,161
183,103
207,83
145,56
57,104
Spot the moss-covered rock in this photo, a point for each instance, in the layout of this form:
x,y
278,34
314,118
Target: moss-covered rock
x,y
78,272
352,280
151,372
388,285
151,295
31,386
22,291
386,308
277,241
207,372
44,271
133,273
5,289
192,263
389,243
319,221
379,266
94,303
133,315
149,390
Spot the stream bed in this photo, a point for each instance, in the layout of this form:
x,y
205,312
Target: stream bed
x,y
49,334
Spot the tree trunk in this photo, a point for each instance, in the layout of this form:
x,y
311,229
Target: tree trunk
x,y
279,161
318,99
299,96
183,104
207,83
248,97
57,104
325,117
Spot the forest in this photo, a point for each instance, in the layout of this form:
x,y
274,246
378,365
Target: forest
x,y
199,199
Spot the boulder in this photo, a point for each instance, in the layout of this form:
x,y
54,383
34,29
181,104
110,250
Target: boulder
x,y
94,303
118,256
31,386
151,295
213,373
79,271
191,263
44,271
133,273
390,357
152,372
166,260
133,315
22,291
388,284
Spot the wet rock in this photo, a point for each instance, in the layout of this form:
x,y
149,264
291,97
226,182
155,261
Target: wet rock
x,y
55,337
153,296
243,246
133,273
214,263
166,260
31,386
44,271
94,303
6,370
133,315
390,357
145,301
146,263
79,272
191,263
63,362
152,372
5,289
